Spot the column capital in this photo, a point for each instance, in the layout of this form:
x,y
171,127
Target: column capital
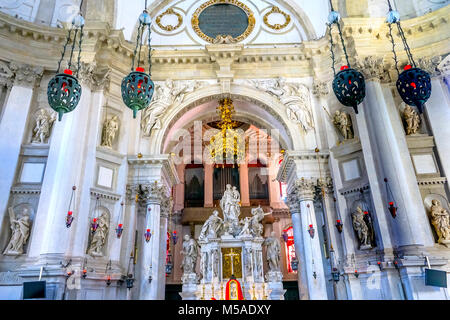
x,y
304,189
373,69
26,75
326,184
431,65
97,78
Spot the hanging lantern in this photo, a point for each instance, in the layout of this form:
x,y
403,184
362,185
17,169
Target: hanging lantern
x,y
339,225
349,87
108,280
137,87
311,231
335,274
169,264
130,281
147,235
294,263
64,90
356,273
413,84
119,229
391,204
285,236
380,265
174,237
348,84
69,217
94,224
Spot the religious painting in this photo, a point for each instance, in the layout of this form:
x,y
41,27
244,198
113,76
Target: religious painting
x,y
231,262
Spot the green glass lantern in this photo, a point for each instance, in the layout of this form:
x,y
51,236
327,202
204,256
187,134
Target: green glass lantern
x,y
413,84
64,89
137,87
348,84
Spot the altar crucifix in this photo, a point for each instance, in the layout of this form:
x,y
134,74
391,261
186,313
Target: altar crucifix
x,y
232,262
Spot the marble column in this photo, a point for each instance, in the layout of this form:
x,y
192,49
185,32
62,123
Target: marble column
x,y
13,126
294,208
439,119
208,197
65,168
313,263
243,185
153,253
385,132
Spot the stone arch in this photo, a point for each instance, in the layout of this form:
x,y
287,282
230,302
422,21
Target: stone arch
x,y
290,135
300,15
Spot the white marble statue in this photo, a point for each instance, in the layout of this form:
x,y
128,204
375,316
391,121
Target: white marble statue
x,y
245,230
343,123
43,126
100,236
441,221
166,94
256,227
190,254
211,228
273,252
361,228
294,96
204,266
110,128
412,120
20,231
230,204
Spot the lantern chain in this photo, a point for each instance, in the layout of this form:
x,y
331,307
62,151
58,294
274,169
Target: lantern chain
x,y
63,53
140,45
393,48
149,51
343,44
79,51
333,59
137,46
405,44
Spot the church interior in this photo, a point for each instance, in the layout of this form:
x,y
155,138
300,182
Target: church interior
x,y
224,149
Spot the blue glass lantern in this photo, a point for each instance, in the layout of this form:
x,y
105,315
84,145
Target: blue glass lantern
x,y
137,87
64,90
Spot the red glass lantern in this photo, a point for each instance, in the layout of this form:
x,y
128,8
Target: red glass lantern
x,y
69,217
84,273
94,225
392,209
147,235
174,237
108,280
311,231
356,273
339,225
119,230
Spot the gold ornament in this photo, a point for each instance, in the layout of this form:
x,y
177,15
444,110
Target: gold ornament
x,y
276,26
195,21
169,27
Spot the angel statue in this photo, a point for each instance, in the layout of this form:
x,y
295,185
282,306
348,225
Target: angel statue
x,y
256,227
43,126
20,231
99,238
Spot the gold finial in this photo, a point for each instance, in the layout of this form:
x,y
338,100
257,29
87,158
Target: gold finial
x,y
139,155
316,150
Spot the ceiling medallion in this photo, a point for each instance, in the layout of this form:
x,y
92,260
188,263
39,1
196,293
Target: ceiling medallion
x,y
195,21
276,26
169,27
